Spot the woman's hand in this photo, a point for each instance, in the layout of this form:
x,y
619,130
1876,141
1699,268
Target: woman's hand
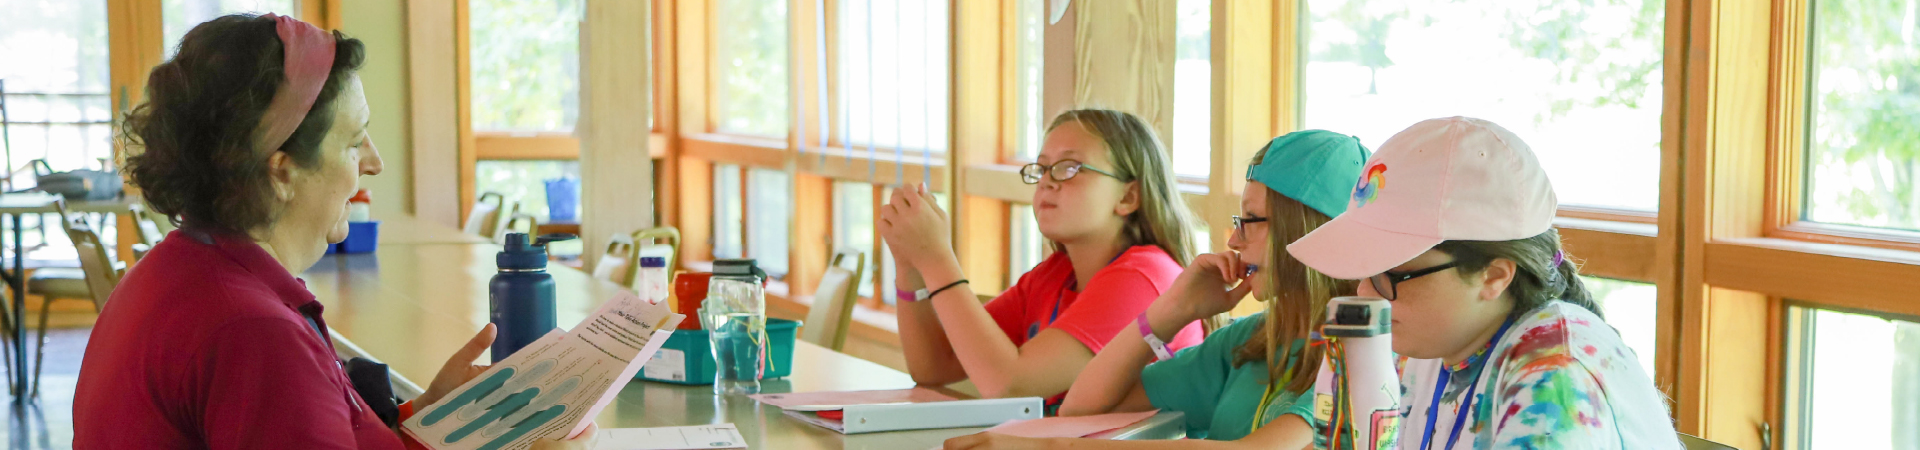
x,y
584,441
458,369
915,227
1202,290
996,441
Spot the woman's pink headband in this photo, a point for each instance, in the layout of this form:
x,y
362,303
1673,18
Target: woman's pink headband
x,y
309,59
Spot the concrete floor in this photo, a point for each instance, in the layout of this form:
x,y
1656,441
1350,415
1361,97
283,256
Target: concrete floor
x,y
48,423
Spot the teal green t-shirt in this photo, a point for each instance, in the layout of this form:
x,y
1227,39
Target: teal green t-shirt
x,y
1219,398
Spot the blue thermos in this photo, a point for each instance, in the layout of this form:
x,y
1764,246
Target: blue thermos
x,y
522,294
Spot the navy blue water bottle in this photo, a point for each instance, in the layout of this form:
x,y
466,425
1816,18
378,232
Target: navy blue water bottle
x,y
522,294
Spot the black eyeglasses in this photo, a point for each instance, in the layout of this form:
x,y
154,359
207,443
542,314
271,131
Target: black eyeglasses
x,y
1387,284
1240,225
1061,171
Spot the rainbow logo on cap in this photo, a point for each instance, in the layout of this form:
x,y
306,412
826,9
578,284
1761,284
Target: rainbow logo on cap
x,y
1370,183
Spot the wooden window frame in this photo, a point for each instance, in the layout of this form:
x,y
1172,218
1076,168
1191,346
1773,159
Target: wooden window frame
x,y
498,145
1724,250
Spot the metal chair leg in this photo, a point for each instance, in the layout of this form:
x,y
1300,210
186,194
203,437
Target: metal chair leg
x,y
40,353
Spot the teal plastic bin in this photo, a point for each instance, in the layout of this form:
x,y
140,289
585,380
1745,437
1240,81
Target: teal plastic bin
x,y
687,357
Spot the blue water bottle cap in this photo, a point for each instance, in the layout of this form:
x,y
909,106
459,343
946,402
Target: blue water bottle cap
x,y
652,261
521,255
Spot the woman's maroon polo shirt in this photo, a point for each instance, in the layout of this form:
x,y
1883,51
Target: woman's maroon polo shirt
x,y
210,343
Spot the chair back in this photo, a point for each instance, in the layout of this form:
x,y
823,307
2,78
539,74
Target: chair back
x,y
101,276
616,263
663,242
832,312
484,219
150,232
519,222
1689,442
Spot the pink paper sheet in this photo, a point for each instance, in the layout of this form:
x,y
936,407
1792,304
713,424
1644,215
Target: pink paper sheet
x,y
915,395
1070,427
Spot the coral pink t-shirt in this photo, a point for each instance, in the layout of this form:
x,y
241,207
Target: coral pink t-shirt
x,y
1046,298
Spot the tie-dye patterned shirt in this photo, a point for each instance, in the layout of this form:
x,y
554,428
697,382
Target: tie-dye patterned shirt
x,y
1561,378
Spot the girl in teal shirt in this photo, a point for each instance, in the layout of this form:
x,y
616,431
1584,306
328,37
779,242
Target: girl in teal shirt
x,y
1250,384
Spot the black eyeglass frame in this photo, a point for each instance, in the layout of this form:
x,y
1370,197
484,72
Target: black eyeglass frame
x,y
1240,224
1073,172
1393,280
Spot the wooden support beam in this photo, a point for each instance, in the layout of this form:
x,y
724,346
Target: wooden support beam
x,y
1724,390
467,155
1123,54
133,48
980,136
435,98
1243,115
616,170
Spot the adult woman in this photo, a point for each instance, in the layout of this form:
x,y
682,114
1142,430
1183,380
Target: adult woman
x,y
1452,221
1106,201
254,136
1250,385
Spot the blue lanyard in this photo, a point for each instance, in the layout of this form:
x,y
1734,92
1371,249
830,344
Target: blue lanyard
x,y
1466,404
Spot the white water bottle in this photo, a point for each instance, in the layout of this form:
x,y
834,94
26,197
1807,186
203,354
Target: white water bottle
x,y
1360,342
360,207
654,279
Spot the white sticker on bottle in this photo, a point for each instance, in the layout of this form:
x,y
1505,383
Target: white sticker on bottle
x,y
667,364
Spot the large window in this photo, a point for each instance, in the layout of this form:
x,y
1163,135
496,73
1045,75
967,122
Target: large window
x,y
55,77
1027,247
1192,138
769,219
180,16
893,72
1579,81
524,78
1863,147
728,209
525,64
1030,73
1855,380
750,64
528,182
853,225
1630,308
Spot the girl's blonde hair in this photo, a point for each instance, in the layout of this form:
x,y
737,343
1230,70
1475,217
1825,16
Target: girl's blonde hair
x,y
1297,301
1163,219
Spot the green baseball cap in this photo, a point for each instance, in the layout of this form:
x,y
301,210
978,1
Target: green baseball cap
x,y
1317,168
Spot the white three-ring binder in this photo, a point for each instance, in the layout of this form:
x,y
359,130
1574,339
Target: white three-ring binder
x,y
858,419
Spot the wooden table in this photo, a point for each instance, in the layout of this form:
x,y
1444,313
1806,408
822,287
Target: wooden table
x,y
412,305
401,229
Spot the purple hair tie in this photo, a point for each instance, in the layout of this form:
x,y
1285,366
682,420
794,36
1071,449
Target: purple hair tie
x,y
1558,258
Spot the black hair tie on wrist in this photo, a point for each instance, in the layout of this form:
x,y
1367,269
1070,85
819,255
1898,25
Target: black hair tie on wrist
x,y
936,292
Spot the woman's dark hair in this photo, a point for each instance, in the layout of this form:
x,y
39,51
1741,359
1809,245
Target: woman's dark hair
x,y
192,144
1538,282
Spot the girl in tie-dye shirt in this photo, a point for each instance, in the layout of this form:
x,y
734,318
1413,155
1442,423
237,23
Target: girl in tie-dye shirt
x,y
1452,221
1560,378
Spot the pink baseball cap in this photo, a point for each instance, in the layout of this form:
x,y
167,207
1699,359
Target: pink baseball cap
x,y
1456,178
